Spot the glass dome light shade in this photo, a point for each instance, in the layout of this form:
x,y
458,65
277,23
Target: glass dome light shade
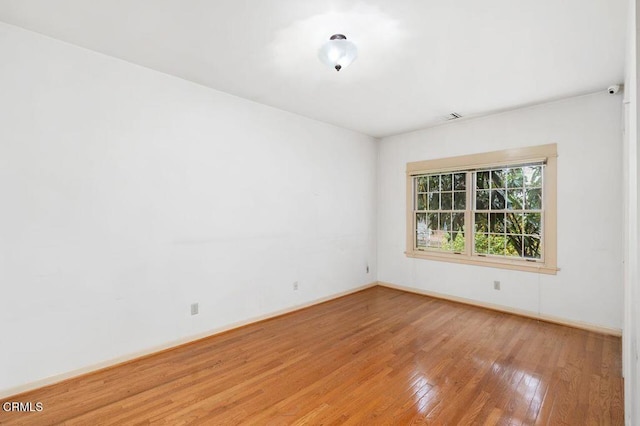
x,y
338,53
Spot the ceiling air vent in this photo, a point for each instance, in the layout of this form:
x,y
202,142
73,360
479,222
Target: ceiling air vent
x,y
453,116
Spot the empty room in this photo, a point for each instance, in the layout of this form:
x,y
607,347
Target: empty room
x,y
312,212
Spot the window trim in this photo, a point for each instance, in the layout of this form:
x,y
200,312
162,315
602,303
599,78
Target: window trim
x,y
541,153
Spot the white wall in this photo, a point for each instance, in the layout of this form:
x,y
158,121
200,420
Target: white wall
x,y
631,329
588,133
128,194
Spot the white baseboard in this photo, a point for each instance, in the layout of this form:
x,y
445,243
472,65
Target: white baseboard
x,y
521,312
15,391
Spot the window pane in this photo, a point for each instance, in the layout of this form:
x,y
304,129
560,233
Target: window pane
x,y
422,202
497,199
434,201
447,200
437,239
445,221
482,222
482,180
457,220
532,223
434,183
515,199
531,247
514,245
432,221
446,183
514,178
457,242
496,244
534,199
532,176
421,184
482,200
514,223
481,243
496,223
497,179
421,230
459,200
446,242
459,181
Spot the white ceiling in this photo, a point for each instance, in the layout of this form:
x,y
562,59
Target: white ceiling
x,y
418,59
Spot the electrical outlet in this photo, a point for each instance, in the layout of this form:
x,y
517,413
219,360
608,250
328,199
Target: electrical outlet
x,y
496,285
295,286
194,309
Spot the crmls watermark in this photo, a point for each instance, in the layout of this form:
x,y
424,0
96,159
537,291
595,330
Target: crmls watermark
x,y
23,407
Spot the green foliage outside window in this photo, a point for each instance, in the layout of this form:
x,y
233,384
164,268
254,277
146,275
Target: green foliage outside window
x,y
507,211
456,244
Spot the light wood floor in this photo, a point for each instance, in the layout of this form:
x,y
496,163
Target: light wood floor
x,y
379,356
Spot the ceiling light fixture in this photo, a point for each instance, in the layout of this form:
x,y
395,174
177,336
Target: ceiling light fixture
x,y
338,52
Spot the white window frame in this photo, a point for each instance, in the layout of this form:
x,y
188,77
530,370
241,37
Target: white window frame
x,y
546,154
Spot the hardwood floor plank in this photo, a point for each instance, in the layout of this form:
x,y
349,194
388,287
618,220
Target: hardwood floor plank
x,y
379,356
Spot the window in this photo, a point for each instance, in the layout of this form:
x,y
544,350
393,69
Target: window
x,y
493,209
508,212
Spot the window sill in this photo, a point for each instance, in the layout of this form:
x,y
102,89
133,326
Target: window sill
x,y
517,265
